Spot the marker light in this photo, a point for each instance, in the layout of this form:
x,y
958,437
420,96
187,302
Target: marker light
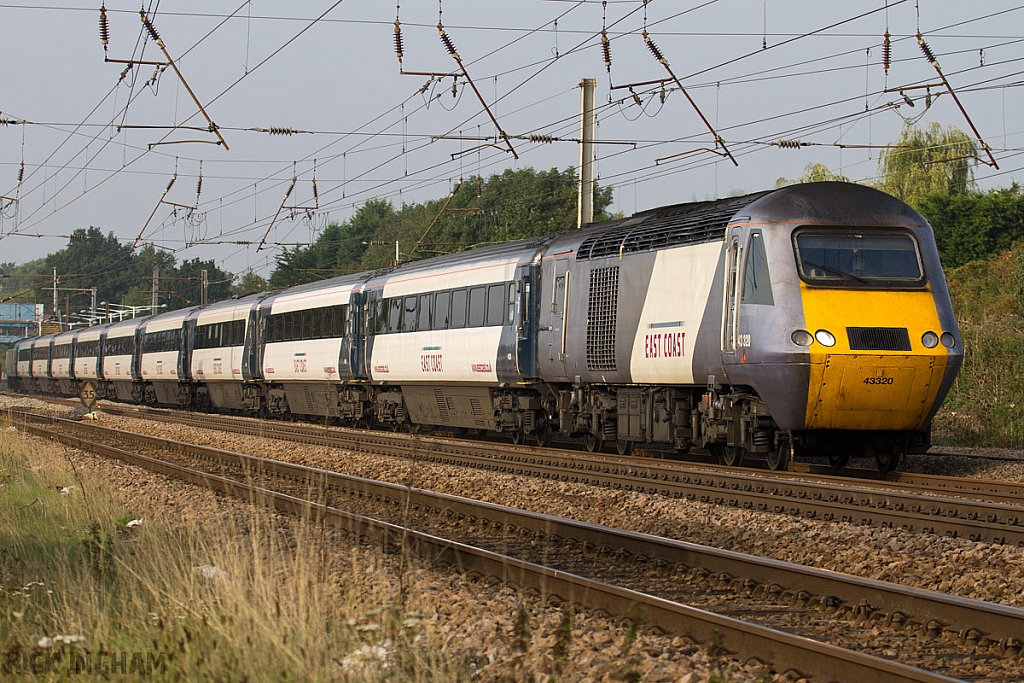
x,y
948,340
802,338
825,338
930,340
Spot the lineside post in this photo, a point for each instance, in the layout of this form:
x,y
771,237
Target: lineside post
x,y
588,118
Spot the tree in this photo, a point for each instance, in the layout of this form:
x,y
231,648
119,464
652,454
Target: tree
x,y
937,159
814,173
93,259
511,205
975,225
188,283
250,283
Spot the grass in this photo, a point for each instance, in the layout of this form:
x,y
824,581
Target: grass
x,y
254,601
986,404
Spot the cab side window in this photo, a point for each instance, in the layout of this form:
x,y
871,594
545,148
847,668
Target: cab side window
x,y
757,282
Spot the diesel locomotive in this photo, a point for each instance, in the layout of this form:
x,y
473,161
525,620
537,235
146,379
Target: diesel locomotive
x,y
808,320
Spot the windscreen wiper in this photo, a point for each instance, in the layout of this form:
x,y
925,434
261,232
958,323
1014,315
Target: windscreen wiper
x,y
841,273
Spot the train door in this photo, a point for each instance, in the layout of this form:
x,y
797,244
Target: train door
x,y
374,317
525,312
252,368
730,302
348,362
552,332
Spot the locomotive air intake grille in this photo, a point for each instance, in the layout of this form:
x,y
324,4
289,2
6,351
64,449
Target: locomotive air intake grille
x,y
602,312
878,338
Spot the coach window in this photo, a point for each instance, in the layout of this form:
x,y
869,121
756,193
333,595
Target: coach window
x,y
511,302
442,310
477,307
757,282
426,312
326,322
379,315
495,305
459,300
316,323
341,317
409,314
345,314
395,314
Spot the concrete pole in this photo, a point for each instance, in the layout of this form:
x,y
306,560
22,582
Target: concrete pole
x,y
156,288
588,120
203,285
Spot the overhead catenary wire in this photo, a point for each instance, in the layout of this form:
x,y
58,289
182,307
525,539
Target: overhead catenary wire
x,y
355,197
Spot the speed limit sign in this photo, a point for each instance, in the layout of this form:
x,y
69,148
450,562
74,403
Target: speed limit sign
x,y
88,395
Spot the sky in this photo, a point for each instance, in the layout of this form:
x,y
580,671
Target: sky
x,y
101,141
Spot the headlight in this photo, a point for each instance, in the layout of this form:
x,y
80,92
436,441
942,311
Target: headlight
x,y
948,340
825,338
802,338
930,340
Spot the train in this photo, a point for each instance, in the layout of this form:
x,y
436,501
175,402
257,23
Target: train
x,y
811,320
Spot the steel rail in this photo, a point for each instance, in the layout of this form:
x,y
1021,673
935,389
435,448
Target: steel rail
x,y
966,618
836,500
981,489
986,490
782,651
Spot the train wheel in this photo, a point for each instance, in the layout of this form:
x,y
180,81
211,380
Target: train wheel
x,y
593,443
518,437
543,435
838,459
730,456
889,455
779,458
623,447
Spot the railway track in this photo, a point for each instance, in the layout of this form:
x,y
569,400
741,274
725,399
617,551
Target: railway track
x,y
623,573
979,510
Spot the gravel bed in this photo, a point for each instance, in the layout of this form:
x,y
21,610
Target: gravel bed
x,y
468,620
983,571
969,467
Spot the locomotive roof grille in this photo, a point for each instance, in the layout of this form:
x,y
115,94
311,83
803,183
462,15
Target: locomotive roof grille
x,y
669,226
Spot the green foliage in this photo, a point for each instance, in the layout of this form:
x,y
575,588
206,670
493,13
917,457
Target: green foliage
x,y
985,406
100,261
512,205
814,173
250,283
120,275
973,226
937,159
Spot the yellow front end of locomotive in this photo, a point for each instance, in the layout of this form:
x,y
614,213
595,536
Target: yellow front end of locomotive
x,y
858,389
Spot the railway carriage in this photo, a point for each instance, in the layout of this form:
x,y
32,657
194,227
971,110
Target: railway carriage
x,y
10,379
87,366
39,368
21,377
310,350
221,347
164,365
62,370
119,348
447,340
